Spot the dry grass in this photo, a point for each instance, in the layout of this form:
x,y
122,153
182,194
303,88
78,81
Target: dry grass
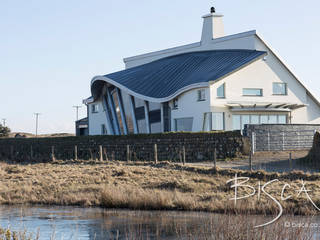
x,y
149,186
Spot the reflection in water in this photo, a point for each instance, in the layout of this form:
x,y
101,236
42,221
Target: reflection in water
x,y
97,223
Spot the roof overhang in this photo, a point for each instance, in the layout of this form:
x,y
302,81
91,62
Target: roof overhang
x,y
109,82
263,106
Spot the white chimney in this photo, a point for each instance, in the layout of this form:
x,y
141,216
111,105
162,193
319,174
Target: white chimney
x,y
212,26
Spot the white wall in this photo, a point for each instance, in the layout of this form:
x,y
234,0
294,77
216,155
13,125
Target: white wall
x,y
261,74
96,119
189,106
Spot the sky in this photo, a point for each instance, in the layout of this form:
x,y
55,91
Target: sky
x,y
50,50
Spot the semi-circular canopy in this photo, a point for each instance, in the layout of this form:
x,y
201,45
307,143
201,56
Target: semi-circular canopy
x,y
164,79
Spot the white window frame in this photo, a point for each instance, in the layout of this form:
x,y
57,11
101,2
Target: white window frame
x,y
94,108
201,94
280,94
175,103
224,91
252,95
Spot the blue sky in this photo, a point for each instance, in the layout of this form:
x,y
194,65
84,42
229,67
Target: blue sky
x,y
50,50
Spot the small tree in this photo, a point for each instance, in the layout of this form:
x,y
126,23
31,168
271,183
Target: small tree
x,y
4,131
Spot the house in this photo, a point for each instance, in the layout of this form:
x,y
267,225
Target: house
x,y
220,83
82,127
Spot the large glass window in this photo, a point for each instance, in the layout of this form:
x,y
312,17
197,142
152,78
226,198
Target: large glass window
x,y
279,88
245,119
238,121
273,119
221,91
282,119
255,119
207,122
218,121
183,124
252,92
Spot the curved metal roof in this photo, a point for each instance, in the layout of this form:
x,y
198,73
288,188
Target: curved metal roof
x,y
164,79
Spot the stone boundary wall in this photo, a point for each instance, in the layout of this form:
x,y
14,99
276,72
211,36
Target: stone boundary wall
x,y
281,137
198,147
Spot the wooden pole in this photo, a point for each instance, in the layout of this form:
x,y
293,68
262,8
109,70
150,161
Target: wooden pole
x,y
184,155
215,158
290,161
128,153
52,153
76,153
31,152
101,153
11,152
250,160
155,153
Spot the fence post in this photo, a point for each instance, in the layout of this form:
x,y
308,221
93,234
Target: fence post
x,y
253,142
269,141
11,152
31,152
52,153
76,153
282,141
215,158
184,155
101,153
155,153
250,160
128,153
290,161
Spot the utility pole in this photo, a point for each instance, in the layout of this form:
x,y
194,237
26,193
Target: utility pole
x,y
77,111
37,120
4,122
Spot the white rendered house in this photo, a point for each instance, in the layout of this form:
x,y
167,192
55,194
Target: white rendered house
x,y
219,83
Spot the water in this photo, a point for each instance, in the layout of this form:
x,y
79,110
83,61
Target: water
x,y
97,223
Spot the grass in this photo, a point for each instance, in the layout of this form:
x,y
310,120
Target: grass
x,y
147,186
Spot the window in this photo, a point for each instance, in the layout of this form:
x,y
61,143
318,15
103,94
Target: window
x,y
94,108
282,119
103,129
183,124
236,122
221,91
218,121
239,121
201,95
279,88
214,121
175,103
252,92
207,122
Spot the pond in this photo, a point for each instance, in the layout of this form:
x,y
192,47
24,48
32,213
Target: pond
x,y
97,223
